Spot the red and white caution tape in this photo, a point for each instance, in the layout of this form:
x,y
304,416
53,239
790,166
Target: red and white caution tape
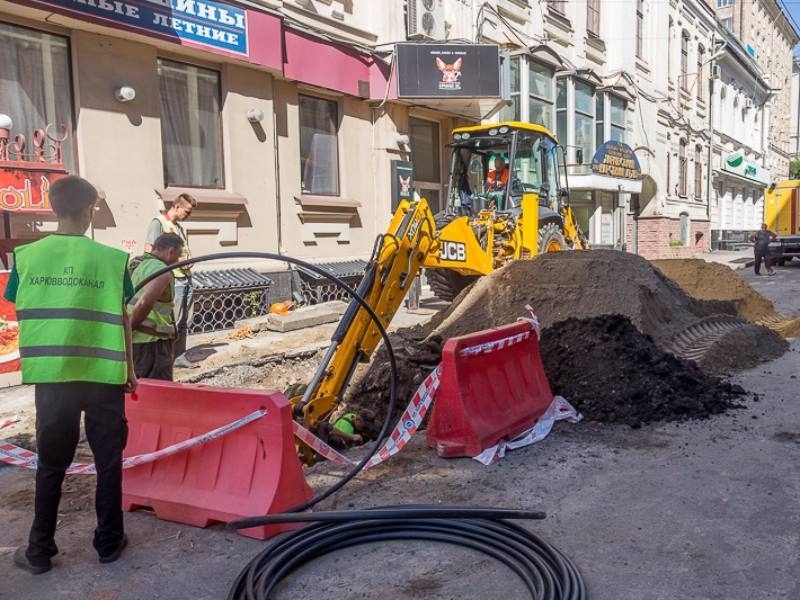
x,y
406,427
20,457
9,421
492,346
558,410
533,320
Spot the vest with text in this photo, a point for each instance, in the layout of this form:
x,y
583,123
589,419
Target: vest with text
x,y
69,308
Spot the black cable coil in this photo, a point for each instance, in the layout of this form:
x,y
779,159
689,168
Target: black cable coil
x,y
545,571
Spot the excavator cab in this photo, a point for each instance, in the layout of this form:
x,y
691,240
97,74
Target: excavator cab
x,y
527,152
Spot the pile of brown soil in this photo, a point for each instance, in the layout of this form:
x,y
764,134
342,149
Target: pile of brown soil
x,y
615,368
715,281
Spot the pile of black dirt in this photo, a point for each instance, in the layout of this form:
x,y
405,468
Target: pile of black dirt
x,y
612,373
415,357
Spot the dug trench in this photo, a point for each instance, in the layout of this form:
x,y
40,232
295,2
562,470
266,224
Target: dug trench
x,y
620,340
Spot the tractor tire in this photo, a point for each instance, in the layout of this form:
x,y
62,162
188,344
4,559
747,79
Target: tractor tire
x,y
446,285
551,239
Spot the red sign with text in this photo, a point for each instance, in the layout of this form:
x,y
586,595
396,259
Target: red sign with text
x,y
26,190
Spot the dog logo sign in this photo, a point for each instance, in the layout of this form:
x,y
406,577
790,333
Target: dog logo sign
x,y
451,73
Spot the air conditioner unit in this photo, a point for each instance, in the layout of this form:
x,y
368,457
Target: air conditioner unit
x,y
426,19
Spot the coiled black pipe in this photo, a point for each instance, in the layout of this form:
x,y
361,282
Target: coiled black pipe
x,y
546,573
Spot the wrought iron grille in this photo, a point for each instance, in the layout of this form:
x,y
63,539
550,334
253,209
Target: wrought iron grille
x,y
225,296
317,289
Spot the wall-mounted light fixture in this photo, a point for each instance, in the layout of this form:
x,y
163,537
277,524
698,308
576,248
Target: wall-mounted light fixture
x,y
401,140
254,115
125,93
6,123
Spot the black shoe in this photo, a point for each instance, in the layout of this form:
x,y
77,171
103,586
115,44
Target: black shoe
x,y
21,560
116,553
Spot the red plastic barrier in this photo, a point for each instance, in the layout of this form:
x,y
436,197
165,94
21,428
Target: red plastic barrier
x,y
492,387
251,471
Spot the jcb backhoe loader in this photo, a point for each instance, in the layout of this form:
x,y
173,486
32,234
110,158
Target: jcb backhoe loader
x,y
483,228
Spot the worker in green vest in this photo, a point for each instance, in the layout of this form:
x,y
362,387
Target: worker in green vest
x,y
75,347
152,318
170,222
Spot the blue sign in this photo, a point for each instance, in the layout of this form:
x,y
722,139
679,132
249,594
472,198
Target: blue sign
x,y
616,159
206,22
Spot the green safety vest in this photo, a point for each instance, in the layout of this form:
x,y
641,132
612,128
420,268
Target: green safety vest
x,y
168,226
69,308
159,324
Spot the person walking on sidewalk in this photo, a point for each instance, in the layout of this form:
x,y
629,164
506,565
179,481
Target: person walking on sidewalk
x,y
152,315
75,347
761,240
170,222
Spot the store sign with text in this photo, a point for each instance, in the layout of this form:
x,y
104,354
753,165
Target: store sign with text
x,y
615,159
207,22
26,191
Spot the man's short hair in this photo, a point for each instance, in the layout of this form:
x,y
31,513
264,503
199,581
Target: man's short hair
x,y
167,241
69,196
188,198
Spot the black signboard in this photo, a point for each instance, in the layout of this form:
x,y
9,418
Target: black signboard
x,y
448,71
402,182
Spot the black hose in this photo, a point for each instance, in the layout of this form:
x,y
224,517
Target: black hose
x,y
545,572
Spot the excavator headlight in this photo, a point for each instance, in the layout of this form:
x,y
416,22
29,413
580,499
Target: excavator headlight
x,y
493,131
504,129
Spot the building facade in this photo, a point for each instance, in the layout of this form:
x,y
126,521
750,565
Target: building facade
x,y
287,121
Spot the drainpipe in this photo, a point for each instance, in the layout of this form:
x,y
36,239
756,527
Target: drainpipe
x,y
709,175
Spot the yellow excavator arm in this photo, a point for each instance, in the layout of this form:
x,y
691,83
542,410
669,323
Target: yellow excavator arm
x,y
396,261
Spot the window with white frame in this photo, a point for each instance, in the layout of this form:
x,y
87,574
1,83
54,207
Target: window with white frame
x,y
699,77
534,81
593,17
684,81
584,117
639,28
724,3
35,84
682,169
319,145
617,131
698,172
540,97
559,6
561,110
191,132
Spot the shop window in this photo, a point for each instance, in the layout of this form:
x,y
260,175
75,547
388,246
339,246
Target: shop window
x,y
35,87
593,18
191,133
319,146
584,118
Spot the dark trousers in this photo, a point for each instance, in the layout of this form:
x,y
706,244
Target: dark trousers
x,y
58,415
154,359
766,257
182,309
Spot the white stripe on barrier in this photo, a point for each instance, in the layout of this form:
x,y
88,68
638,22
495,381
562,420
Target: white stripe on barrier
x,y
9,421
20,457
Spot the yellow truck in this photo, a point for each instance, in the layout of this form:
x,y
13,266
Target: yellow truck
x,y
782,216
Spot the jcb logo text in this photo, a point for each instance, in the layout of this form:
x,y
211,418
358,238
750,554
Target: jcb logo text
x,y
453,251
